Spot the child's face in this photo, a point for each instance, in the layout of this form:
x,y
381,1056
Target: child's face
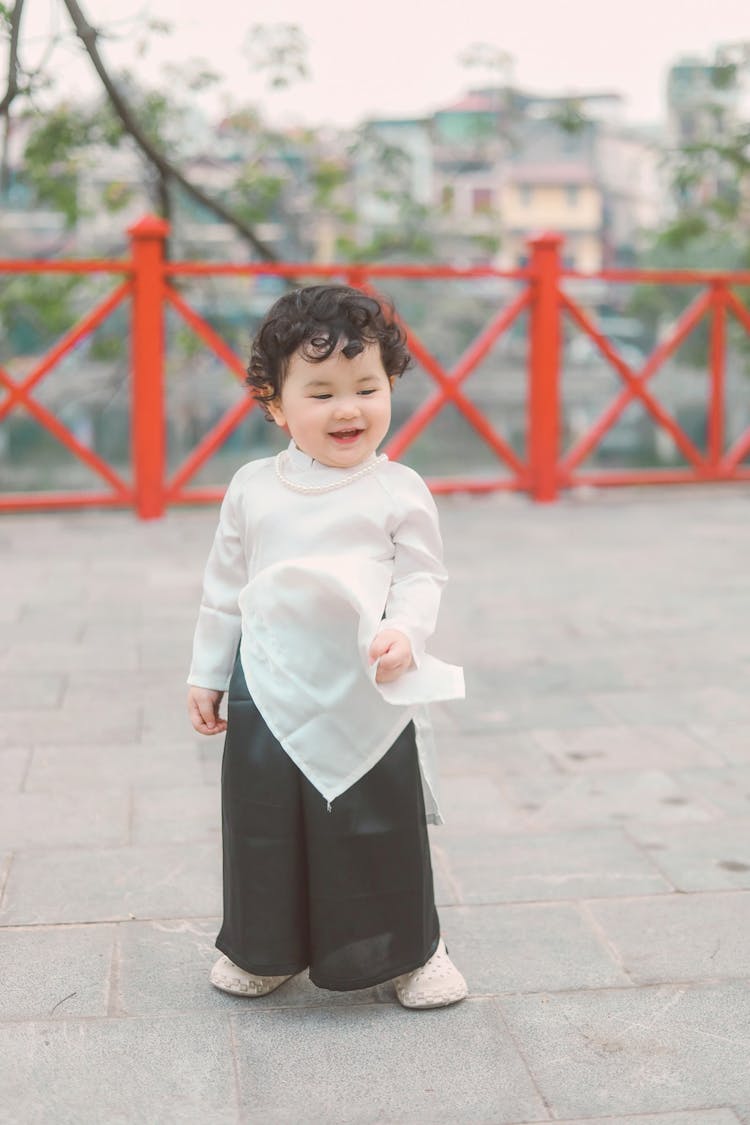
x,y
337,411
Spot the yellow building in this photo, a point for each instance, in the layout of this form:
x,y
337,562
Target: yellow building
x,y
565,198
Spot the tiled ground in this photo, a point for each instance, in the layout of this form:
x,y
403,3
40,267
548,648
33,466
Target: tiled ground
x,y
593,874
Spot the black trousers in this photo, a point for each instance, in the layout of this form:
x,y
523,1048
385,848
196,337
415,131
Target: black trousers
x,y
349,892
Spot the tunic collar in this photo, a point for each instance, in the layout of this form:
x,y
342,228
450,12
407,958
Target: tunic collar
x,y
301,464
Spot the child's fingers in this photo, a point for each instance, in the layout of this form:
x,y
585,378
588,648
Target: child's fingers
x,y
204,718
390,668
387,675
378,648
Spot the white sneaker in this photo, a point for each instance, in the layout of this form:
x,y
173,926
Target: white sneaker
x,y
433,985
230,978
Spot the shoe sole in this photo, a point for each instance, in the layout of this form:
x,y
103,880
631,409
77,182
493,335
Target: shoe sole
x,y
442,1001
245,992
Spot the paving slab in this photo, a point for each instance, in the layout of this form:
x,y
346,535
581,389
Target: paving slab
x,y
607,798
106,884
686,1117
54,656
679,937
62,627
167,689
731,741
637,1050
707,703
700,857
499,754
14,763
50,820
6,859
596,862
19,689
163,966
477,803
59,971
529,948
172,814
99,726
379,1063
85,1072
626,747
82,765
726,789
498,712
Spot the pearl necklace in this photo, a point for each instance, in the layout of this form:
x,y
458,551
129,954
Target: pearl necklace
x,y
339,483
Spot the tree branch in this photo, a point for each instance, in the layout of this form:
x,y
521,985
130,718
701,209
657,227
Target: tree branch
x,y
12,89
166,169
15,30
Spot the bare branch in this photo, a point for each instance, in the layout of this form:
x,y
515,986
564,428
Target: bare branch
x,y
15,29
166,169
12,88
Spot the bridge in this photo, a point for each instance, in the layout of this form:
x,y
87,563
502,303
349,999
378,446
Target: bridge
x,y
539,422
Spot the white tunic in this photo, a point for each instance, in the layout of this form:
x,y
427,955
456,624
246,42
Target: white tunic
x,y
302,582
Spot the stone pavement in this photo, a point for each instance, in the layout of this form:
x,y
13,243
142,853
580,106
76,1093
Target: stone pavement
x,y
593,876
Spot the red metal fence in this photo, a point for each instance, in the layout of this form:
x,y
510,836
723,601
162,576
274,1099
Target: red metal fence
x,y
146,280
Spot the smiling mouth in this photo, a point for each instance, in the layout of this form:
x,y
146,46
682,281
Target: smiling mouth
x,y
345,435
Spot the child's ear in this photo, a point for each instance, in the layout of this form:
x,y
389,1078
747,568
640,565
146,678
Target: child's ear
x,y
275,410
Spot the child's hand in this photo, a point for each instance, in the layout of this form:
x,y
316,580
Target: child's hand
x,y
393,649
203,709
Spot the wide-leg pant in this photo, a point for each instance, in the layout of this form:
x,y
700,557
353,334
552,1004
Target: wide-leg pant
x,y
349,892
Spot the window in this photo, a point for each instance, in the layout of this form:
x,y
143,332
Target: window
x,y
527,194
571,194
481,200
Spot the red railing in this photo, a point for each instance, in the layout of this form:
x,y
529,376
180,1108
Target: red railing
x,y
545,469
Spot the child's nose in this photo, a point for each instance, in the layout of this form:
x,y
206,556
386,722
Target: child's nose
x,y
347,407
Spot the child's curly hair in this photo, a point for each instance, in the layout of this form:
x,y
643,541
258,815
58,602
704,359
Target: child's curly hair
x,y
312,321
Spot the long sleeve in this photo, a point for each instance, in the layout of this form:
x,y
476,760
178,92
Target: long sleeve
x,y
217,633
418,571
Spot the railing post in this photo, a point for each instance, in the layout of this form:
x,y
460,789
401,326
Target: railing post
x,y
544,366
148,424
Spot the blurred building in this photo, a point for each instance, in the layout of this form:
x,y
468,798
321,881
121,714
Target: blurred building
x,y
708,101
564,197
470,184
703,99
505,165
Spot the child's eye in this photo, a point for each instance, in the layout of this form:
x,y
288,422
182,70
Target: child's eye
x,y
321,396
371,391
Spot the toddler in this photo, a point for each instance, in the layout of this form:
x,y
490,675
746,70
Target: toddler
x,y
320,591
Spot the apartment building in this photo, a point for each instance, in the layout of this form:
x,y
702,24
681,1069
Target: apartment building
x,y
565,197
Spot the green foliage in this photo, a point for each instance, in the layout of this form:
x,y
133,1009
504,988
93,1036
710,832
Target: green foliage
x,y
327,178
488,244
570,117
35,309
64,142
53,158
256,194
658,306
710,170
404,242
710,179
279,50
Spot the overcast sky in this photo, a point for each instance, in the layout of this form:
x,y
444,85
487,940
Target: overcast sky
x,y
385,58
